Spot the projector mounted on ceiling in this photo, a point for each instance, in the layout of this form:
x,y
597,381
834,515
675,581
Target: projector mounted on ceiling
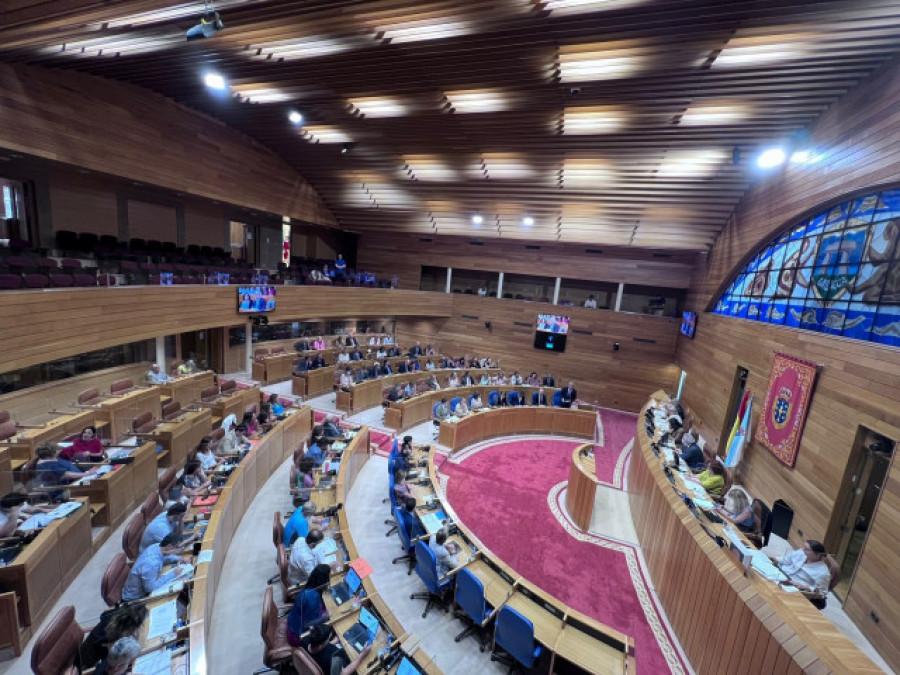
x,y
210,24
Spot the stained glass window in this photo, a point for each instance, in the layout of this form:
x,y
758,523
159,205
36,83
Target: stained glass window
x,y
837,272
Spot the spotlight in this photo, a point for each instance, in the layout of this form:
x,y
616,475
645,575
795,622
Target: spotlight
x,y
771,158
477,219
215,81
295,117
527,221
210,24
345,148
616,346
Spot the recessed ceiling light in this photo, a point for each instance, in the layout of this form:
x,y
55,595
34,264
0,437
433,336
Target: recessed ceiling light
x,y
562,7
758,50
477,100
802,157
295,117
771,158
435,28
527,221
702,114
691,163
429,168
582,63
374,106
325,133
477,219
586,173
506,166
215,81
600,119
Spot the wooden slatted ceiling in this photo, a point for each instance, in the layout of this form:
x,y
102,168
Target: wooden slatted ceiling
x,y
641,156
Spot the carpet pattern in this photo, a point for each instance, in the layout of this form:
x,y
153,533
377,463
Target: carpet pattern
x,y
508,493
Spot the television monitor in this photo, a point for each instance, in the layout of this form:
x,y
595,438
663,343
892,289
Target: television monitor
x,y
688,324
552,332
166,278
255,299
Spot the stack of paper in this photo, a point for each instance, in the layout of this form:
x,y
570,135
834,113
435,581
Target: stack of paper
x,y
163,619
766,567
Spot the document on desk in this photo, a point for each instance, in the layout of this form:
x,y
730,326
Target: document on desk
x,y
105,469
205,556
163,619
329,550
766,568
158,662
434,521
695,489
120,453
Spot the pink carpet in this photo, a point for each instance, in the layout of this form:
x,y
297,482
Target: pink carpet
x,y
610,458
501,493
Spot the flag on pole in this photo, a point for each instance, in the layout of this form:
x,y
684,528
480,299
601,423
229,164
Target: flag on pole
x,y
737,420
740,436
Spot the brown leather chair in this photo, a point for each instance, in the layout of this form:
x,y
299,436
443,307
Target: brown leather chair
x,y
228,387
288,592
277,650
260,353
166,481
131,537
170,411
151,507
56,648
144,423
114,578
818,600
209,394
303,663
7,430
89,397
4,416
277,350
120,387
277,530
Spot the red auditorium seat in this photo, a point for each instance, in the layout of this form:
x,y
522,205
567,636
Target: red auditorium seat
x,y
35,280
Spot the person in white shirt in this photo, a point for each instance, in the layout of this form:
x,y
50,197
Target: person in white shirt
x,y
482,291
380,354
590,303
476,403
806,568
454,380
444,552
156,376
461,409
343,357
515,379
346,380
305,555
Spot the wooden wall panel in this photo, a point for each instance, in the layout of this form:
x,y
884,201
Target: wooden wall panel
x,y
115,128
405,255
151,221
82,204
205,225
618,379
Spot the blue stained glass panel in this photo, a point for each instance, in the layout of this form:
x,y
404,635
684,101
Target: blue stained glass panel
x,y
859,321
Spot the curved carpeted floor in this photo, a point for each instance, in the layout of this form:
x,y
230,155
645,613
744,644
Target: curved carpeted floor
x,y
508,493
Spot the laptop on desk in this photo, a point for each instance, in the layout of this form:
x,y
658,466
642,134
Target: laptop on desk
x,y
363,631
347,588
407,667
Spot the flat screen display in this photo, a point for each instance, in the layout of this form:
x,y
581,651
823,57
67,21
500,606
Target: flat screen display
x,y
552,332
688,324
253,299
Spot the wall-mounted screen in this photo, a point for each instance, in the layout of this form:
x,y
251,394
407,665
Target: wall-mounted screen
x,y
552,332
253,299
688,324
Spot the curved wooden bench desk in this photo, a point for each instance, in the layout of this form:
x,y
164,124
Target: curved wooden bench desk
x,y
726,622
582,487
570,636
518,420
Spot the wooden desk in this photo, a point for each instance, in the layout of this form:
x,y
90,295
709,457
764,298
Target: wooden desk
x,y
116,494
46,566
517,420
235,404
709,601
22,446
182,435
582,487
119,411
271,369
6,471
313,382
369,394
186,389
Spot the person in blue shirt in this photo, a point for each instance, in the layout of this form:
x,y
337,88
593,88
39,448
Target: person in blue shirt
x,y
309,609
414,528
331,428
51,470
297,525
316,453
276,406
691,452
168,521
146,573
340,267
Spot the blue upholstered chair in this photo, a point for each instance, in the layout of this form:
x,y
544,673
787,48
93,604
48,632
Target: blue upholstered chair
x,y
557,398
514,634
437,588
471,398
494,398
392,497
514,398
454,402
534,397
405,541
473,609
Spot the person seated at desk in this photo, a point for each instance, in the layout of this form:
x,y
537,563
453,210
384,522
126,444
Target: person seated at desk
x,y
343,356
387,339
305,556
467,379
374,371
476,403
485,379
11,507
533,380
429,365
121,657
356,355
324,647
394,351
50,470
114,624
318,362
234,439
413,525
86,448
567,396
712,479
297,526
462,408
194,481
301,345
737,509
442,412
591,302
541,398
515,379
186,368
806,568
156,376
249,423
318,343
361,375
330,427
380,353
453,380
304,478
346,380
548,380
146,573
400,461
275,405
433,383
304,366
402,489
386,369
170,520
396,394
206,456
691,453
309,608
416,350
445,552
316,452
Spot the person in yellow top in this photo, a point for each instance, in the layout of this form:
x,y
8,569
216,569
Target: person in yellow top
x,y
713,479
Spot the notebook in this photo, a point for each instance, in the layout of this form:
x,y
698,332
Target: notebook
x,y
363,631
205,501
347,588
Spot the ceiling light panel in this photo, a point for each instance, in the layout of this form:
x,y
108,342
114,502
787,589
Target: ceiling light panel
x,y
582,173
506,166
376,106
420,30
429,168
324,133
715,114
566,7
760,50
467,101
688,164
254,94
301,48
598,61
599,119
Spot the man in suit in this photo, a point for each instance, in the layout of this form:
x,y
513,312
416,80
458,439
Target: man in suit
x,y
351,341
319,361
567,395
403,367
356,355
386,369
467,380
415,350
304,365
548,380
374,370
541,397
301,345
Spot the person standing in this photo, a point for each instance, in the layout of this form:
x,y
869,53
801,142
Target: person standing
x,y
568,395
